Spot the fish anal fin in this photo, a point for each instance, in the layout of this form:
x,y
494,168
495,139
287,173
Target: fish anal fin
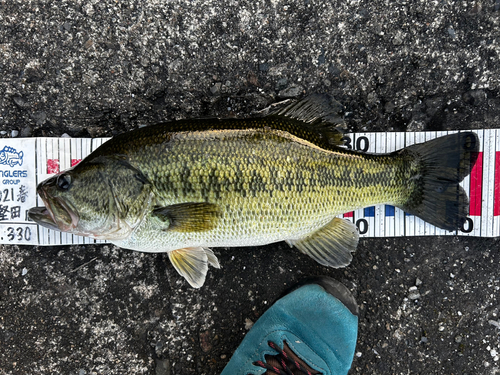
x,y
189,217
192,264
331,245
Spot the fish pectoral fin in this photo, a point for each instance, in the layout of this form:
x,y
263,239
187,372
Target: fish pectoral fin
x,y
189,217
330,245
192,263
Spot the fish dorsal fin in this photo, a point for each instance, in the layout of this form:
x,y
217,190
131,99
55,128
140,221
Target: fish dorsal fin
x,y
189,217
330,245
314,118
314,108
192,264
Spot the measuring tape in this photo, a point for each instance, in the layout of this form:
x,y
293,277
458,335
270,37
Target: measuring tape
x,y
25,162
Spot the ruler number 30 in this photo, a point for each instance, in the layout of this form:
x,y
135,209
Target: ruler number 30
x,y
362,143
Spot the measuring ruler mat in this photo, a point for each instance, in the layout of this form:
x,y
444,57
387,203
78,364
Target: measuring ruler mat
x,y
25,162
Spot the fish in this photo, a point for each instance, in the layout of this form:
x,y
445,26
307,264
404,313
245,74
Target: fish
x,y
10,157
187,186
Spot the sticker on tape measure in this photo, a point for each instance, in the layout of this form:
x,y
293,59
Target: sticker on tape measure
x,y
26,162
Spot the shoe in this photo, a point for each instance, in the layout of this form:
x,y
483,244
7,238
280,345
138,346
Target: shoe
x,y
311,330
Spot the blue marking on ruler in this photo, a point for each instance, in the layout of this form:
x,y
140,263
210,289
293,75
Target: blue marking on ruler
x,y
369,211
389,210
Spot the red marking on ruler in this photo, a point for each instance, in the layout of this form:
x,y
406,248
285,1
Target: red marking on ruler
x,y
476,191
75,162
52,166
349,214
496,194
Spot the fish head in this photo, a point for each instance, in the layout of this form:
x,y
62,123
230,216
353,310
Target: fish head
x,y
97,199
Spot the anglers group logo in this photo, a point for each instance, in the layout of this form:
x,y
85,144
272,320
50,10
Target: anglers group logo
x,y
11,157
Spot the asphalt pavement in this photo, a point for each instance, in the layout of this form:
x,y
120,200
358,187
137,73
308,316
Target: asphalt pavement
x,y
98,68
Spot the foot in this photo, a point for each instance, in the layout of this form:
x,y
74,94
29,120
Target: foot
x,y
311,330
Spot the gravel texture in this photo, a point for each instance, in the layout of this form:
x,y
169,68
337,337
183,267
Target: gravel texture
x,y
101,67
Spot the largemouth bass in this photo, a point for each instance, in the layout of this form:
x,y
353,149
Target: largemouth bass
x,y
186,186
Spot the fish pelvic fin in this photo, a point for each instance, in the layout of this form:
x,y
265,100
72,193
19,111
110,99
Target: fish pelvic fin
x,y
436,168
331,245
189,217
192,264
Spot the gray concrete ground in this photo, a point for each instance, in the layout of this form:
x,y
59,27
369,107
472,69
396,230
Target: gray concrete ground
x,y
98,68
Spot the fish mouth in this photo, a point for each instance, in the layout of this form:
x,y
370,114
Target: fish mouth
x,y
57,214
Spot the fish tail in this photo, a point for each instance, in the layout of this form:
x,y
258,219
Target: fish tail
x,y
435,169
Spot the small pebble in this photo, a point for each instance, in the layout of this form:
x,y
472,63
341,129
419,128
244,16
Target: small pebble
x,y
414,295
248,324
40,117
282,82
216,88
291,92
20,101
494,323
14,133
26,132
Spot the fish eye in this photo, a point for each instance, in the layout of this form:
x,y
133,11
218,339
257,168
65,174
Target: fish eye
x,y
63,181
